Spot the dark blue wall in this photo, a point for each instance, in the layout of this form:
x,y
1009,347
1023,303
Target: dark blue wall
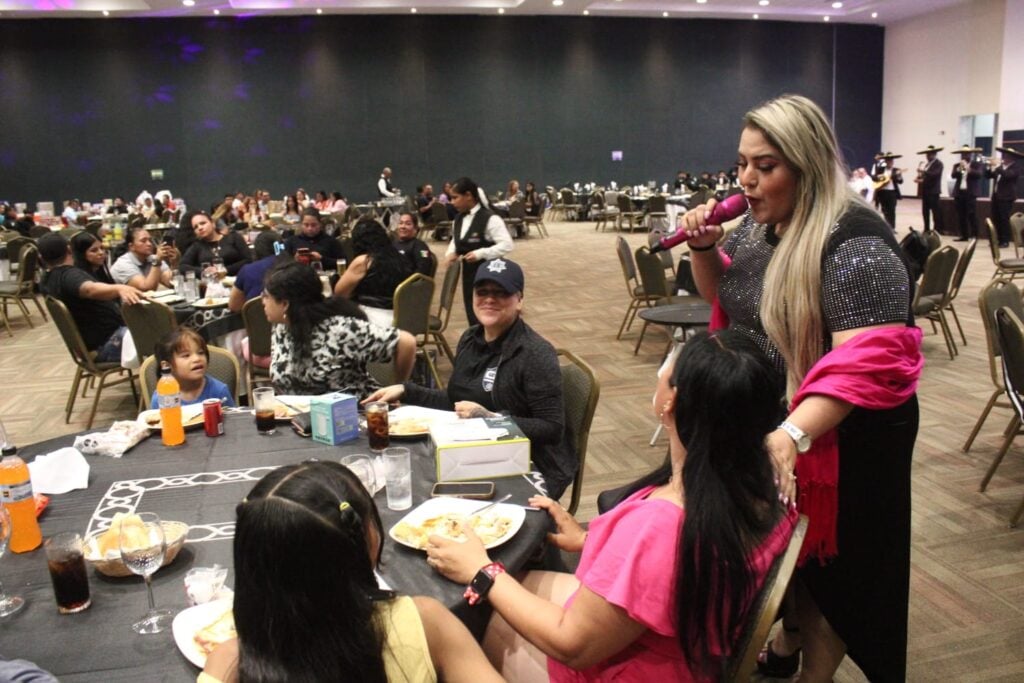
x,y
89,107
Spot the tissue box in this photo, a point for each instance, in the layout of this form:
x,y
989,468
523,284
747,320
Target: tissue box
x,y
463,451
334,418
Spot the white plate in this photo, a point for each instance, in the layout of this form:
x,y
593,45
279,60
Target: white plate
x,y
215,302
188,622
191,416
441,506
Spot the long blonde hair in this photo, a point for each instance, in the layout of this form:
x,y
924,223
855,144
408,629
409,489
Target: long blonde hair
x,y
791,303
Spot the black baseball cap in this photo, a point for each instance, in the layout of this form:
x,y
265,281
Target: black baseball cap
x,y
506,274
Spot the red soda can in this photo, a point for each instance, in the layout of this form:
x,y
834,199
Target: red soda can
x,y
213,418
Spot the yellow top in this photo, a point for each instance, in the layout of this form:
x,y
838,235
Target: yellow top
x,y
406,656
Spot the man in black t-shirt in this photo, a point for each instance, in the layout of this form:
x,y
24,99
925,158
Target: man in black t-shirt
x,y
91,303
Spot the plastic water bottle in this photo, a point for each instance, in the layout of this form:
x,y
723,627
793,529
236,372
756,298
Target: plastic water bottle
x,y
168,396
16,496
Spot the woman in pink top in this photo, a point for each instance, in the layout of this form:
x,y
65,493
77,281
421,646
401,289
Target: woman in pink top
x,y
644,605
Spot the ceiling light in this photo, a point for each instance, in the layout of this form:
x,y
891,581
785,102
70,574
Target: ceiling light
x,y
664,14
702,2
837,5
827,19
763,3
188,3
412,10
557,3
586,13
106,13
501,10
757,16
216,12
319,11
874,15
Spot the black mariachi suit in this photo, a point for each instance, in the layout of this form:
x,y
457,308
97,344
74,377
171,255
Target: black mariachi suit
x,y
887,198
930,189
965,197
476,238
1003,196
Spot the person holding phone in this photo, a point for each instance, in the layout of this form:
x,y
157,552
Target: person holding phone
x,y
144,265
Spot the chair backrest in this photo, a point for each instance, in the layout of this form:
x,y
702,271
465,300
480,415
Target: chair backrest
x,y
257,327
1017,231
439,213
1000,293
993,241
517,210
665,255
652,273
69,333
412,304
567,196
580,393
625,203
626,261
1011,341
656,204
448,287
37,231
938,273
15,246
697,198
432,257
740,666
148,322
223,366
28,266
961,268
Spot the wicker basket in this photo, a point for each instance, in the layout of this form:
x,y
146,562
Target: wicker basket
x,y
174,533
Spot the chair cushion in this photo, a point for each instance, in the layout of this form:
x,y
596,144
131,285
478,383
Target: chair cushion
x,y
9,288
1011,263
927,304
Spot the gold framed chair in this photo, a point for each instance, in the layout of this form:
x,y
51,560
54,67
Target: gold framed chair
x,y
258,328
569,206
148,321
655,287
441,223
412,301
580,393
740,667
223,366
439,322
86,365
1010,267
25,286
958,280
932,296
637,296
516,221
628,214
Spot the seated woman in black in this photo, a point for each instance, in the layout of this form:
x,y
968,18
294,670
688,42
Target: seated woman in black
x,y
322,247
503,366
90,256
375,272
210,243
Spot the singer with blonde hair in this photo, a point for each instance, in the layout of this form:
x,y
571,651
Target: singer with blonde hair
x,y
814,276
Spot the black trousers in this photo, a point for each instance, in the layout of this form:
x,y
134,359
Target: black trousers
x,y
887,202
966,214
1001,209
929,208
468,275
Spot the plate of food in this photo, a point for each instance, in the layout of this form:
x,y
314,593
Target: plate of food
x,y
413,422
449,516
198,630
191,416
211,302
165,296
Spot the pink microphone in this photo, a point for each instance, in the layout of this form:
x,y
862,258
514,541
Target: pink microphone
x,y
725,210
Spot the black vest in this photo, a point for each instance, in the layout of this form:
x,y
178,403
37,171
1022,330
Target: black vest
x,y
387,185
476,236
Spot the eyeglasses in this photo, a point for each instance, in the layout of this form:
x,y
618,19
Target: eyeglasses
x,y
491,293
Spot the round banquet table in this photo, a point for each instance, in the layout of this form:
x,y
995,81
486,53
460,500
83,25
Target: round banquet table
x,y
684,315
199,483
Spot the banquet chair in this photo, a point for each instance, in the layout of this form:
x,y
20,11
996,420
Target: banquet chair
x,y
412,313
554,204
628,214
932,296
996,295
958,280
570,207
37,231
516,220
258,328
1011,341
655,287
25,286
86,365
740,666
580,393
657,211
536,221
599,211
14,246
1011,267
665,255
633,286
442,224
148,322
223,366
1017,232
439,322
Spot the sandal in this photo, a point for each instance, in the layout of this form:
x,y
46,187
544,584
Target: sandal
x,y
778,666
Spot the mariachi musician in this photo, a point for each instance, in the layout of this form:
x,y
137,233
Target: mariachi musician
x,y
967,174
1005,193
887,185
929,186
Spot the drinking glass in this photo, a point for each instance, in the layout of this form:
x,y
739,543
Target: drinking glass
x,y
142,551
362,466
263,401
377,425
317,267
398,476
66,562
220,271
9,604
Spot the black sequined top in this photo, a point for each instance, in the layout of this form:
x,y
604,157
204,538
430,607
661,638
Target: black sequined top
x,y
864,280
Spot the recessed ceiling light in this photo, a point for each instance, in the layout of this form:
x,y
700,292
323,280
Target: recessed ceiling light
x,y
557,3
757,16
586,13
702,2
188,3
837,5
412,10
106,13
874,15
764,3
501,10
664,14
827,19
319,11
216,12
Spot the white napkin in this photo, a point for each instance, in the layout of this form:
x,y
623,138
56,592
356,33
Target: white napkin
x,y
59,472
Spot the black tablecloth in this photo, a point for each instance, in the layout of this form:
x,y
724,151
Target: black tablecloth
x,y
199,484
950,223
211,323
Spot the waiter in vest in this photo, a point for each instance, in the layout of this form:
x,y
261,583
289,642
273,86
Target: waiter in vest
x,y
1005,192
929,186
479,235
384,186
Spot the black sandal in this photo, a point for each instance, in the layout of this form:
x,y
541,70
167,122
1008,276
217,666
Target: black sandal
x,y
778,666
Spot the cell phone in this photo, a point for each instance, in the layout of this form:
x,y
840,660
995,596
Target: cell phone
x,y
477,490
168,238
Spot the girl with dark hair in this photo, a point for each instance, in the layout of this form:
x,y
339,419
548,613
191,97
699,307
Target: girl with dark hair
x,y
375,272
292,210
321,345
185,352
667,578
533,200
330,621
210,243
337,203
90,256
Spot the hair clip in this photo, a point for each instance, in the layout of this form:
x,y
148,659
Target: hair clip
x,y
343,505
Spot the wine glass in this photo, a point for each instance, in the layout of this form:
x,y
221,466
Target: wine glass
x,y
142,551
9,604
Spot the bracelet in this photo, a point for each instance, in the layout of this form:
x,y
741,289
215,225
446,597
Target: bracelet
x,y
707,248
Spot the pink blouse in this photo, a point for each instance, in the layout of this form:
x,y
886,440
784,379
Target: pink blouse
x,y
629,560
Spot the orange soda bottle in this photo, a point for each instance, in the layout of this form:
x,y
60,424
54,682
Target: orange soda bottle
x,y
16,495
168,396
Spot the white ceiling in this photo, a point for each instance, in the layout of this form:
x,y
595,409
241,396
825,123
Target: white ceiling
x,y
852,11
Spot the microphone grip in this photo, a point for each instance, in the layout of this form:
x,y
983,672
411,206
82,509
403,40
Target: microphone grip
x,y
724,211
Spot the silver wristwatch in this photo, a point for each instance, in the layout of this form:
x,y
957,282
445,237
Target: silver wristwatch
x,y
799,436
